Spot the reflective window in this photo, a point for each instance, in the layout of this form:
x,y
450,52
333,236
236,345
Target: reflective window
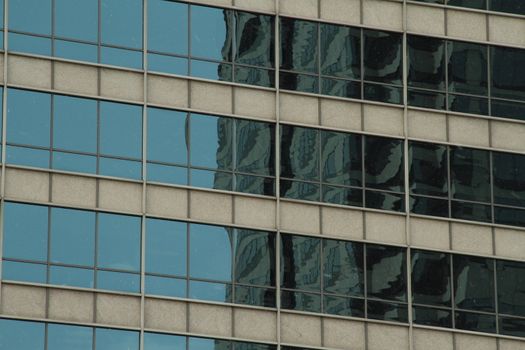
x,y
22,335
37,20
122,25
76,19
62,337
168,33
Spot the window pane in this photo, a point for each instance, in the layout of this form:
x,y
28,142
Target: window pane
x,y
343,267
254,76
211,33
22,335
121,57
29,44
509,6
211,141
386,272
509,178
340,51
341,158
254,257
25,231
74,162
75,124
467,68
120,129
510,326
112,339
76,19
166,247
300,262
299,42
475,4
211,70
300,301
383,56
172,287
28,115
468,104
344,306
255,147
167,136
167,64
122,25
301,190
473,283
32,16
119,242
384,201
508,72
299,82
157,341
211,179
379,310
168,174
426,62
432,317
76,51
429,206
426,99
431,278
255,185
208,344
509,216
471,211
475,322
65,337
511,287
255,296
428,169
384,163
118,281
470,174
255,39
120,168
168,27
341,88
210,252
27,156
72,237
299,153
342,195
70,276
219,292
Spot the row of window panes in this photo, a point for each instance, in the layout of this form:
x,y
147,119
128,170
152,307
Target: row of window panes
x,y
29,335
52,245
229,45
507,6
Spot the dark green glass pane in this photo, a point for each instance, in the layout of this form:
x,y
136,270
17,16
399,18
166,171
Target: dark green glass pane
x,y
341,88
255,147
342,195
254,40
429,206
475,322
255,185
511,287
384,163
507,109
473,283
300,301
508,71
207,344
467,67
386,272
384,201
254,76
509,178
432,317
344,306
300,190
512,326
343,267
471,211
299,45
340,51
379,310
428,169
298,82
509,216
509,6
253,346
254,257
468,104
431,278
301,262
211,141
470,174
474,4
426,99
341,158
383,56
383,93
299,153
426,62
254,296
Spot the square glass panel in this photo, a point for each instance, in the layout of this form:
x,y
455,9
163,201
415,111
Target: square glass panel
x,y
428,169
121,57
121,25
63,337
22,335
113,339
211,252
301,262
342,195
344,306
384,163
341,88
254,76
255,185
426,99
299,45
166,247
429,206
167,174
509,216
507,109
473,283
211,179
211,141
383,56
76,19
384,201
120,129
211,70
512,326
211,33
340,51
468,104
29,44
167,132
432,317
475,4
168,27
255,296
426,62
383,93
471,211
509,6
386,272
33,16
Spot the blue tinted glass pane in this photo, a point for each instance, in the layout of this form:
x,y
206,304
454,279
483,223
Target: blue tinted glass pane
x,y
210,291
121,57
25,272
112,339
211,70
211,33
167,64
29,44
120,130
119,242
77,19
120,168
74,162
168,27
70,276
25,231
210,252
155,341
122,25
166,247
72,237
30,16
211,141
21,335
209,344
28,117
75,124
27,156
76,51
167,136
119,281
64,337
167,173
211,179
171,287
